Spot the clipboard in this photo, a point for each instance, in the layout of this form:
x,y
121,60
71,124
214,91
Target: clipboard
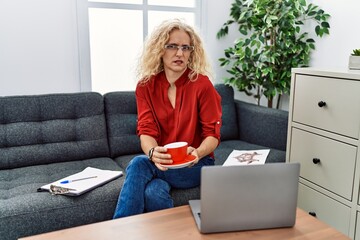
x,y
81,182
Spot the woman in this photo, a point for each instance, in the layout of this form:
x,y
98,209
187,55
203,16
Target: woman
x,y
176,102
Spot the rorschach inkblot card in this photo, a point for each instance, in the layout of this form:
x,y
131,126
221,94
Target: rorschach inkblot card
x,y
247,157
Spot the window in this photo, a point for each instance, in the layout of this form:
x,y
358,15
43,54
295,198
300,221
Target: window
x,y
117,31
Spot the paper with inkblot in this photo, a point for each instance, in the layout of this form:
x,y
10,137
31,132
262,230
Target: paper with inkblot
x,y
247,157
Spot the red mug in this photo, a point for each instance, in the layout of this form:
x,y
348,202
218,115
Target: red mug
x,y
177,150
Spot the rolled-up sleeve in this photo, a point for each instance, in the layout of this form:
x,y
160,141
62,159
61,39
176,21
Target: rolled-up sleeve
x,y
210,112
146,124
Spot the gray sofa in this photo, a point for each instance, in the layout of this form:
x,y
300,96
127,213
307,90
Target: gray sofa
x,y
46,137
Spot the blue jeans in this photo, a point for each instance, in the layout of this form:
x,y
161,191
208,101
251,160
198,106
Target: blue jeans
x,y
146,188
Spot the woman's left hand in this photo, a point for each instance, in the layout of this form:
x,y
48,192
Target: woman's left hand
x,y
193,151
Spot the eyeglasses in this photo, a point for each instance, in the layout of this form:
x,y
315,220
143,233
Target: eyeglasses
x,y
184,48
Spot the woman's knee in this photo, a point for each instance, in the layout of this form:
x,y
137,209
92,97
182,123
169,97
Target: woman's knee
x,y
157,187
157,195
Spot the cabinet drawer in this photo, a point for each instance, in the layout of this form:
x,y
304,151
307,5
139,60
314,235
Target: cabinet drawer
x,y
335,171
341,114
326,209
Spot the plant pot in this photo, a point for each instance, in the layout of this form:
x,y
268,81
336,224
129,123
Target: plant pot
x,y
354,62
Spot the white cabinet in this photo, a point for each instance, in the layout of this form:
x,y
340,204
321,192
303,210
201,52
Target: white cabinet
x,y
323,136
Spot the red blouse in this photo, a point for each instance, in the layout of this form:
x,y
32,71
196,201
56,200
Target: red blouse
x,y
197,112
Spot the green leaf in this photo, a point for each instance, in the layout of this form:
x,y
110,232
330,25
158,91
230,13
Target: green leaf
x,y
229,22
325,25
248,51
326,30
262,39
243,32
312,13
268,21
222,32
272,17
242,15
224,63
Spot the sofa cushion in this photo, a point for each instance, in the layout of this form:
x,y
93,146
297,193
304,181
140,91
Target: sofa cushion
x,y
121,119
51,128
262,126
229,128
124,160
31,212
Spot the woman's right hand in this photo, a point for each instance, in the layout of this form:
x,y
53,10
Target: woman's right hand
x,y
160,158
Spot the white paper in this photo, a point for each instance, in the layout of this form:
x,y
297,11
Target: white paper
x,y
247,157
81,186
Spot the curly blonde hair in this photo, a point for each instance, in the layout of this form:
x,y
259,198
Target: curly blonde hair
x,y
150,62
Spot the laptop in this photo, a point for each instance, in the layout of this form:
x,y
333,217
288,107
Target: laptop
x,y
235,198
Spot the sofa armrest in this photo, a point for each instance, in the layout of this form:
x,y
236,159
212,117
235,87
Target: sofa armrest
x,y
261,125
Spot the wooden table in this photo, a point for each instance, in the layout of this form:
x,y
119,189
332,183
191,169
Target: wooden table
x,y
178,223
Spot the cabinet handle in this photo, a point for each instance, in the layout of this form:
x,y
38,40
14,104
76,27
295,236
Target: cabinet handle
x,y
316,160
312,214
321,104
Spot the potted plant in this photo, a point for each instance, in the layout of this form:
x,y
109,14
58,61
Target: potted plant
x,y
354,59
272,41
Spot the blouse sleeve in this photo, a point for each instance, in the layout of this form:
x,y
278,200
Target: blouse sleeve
x,y
146,124
210,111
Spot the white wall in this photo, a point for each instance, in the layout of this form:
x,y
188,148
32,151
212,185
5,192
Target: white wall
x,y
40,51
334,50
